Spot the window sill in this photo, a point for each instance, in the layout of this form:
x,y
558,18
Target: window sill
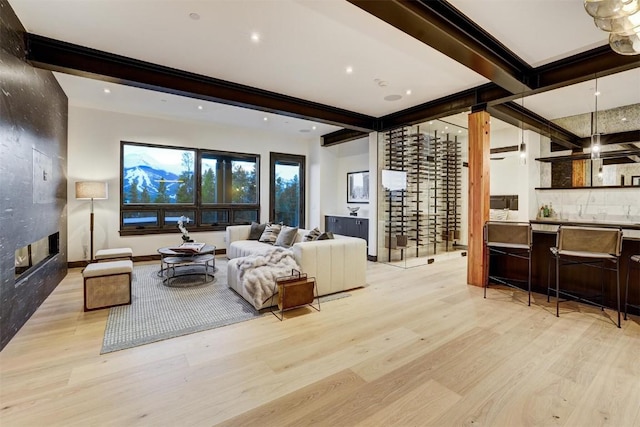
x,y
144,231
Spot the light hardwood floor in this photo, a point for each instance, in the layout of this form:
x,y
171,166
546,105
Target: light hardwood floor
x,y
416,347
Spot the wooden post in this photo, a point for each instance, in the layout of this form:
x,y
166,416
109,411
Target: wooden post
x,y
579,173
479,150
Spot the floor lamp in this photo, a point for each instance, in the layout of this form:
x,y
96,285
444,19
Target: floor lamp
x,y
86,190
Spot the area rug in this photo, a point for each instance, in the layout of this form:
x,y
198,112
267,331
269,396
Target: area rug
x,y
159,312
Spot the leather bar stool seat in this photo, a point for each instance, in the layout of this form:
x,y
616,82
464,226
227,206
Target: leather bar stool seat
x,y
511,239
587,246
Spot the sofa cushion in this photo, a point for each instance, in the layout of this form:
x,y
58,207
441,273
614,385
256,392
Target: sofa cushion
x,y
242,248
287,236
270,233
327,235
256,230
312,235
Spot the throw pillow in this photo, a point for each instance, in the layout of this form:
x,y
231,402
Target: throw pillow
x,y
312,235
270,233
256,230
327,235
287,236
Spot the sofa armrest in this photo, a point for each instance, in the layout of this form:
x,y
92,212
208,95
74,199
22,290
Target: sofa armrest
x,y
337,264
236,232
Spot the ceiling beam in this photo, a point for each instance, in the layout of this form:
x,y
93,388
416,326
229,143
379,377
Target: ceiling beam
x,y
445,106
81,61
614,138
585,66
518,116
598,62
77,60
341,136
441,26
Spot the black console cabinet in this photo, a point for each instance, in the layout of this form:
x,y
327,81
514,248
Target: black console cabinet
x,y
348,226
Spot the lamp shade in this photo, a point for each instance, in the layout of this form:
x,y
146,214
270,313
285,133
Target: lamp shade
x,y
91,190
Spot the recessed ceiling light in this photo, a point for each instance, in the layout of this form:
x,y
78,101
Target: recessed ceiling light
x,y
194,16
265,118
459,131
624,119
408,92
349,70
314,127
430,123
107,90
255,37
200,107
597,93
392,97
446,127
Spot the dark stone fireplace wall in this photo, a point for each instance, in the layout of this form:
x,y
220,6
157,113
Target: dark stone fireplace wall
x,y
33,133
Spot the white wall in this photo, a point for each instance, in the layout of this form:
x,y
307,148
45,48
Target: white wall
x,y
509,176
94,154
351,156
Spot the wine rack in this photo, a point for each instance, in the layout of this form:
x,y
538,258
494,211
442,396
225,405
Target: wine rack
x,y
423,219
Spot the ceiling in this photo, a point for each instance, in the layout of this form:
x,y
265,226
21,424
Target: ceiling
x,y
304,50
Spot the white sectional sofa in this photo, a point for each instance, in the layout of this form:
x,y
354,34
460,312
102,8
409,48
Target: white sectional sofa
x,y
337,264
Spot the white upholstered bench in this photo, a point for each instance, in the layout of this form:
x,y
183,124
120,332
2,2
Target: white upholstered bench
x,y
107,284
115,253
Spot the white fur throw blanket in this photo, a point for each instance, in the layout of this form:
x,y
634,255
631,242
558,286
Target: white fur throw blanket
x,y
258,273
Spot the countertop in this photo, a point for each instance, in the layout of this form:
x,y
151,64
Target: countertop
x,y
630,231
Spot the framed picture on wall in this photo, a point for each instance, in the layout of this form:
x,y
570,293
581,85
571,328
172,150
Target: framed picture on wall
x,y
635,180
358,187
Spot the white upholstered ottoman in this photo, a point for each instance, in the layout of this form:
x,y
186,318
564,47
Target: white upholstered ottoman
x,y
115,253
107,284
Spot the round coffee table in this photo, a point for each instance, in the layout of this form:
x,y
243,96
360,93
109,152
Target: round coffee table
x,y
170,260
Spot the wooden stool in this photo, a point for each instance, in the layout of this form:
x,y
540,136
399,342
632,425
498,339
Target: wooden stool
x,y
633,260
107,284
115,253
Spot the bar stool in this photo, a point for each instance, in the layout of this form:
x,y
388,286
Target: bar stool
x,y
634,260
511,239
589,246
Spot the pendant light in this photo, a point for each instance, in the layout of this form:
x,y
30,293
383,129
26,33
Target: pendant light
x,y
595,136
620,18
522,148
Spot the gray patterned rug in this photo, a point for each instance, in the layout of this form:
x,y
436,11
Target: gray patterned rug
x,y
158,312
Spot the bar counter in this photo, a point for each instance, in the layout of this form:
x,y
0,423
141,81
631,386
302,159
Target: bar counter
x,y
580,279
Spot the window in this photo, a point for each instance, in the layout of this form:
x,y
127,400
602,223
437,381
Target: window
x,y
287,189
159,184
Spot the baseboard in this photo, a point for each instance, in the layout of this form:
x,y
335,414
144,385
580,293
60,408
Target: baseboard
x,y
140,258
